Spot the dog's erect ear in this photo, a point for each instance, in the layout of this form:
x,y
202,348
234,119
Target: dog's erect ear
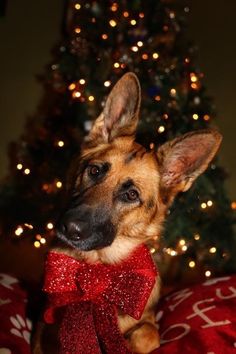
x,y
120,114
183,159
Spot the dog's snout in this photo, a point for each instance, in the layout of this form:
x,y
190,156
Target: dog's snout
x,y
85,228
71,229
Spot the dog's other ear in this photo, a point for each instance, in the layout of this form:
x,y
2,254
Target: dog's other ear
x,y
183,159
120,114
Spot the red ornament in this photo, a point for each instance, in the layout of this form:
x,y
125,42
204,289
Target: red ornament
x,y
91,295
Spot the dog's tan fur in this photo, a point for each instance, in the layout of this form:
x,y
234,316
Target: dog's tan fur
x,y
158,176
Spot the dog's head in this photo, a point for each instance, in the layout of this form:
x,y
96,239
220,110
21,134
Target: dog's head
x,y
121,190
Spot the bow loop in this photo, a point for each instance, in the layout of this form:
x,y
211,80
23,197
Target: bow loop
x,y
129,293
93,280
61,273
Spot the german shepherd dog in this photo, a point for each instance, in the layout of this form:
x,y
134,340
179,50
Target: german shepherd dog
x,y
121,192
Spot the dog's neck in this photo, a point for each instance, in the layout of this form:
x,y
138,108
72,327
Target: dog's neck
x,y
118,251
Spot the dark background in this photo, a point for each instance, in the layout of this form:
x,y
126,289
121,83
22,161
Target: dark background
x,y
29,30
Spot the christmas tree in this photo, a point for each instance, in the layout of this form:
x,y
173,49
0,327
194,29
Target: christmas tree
x,y
100,42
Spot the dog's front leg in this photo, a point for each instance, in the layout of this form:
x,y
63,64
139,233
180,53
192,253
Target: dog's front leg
x,y
144,338
36,344
45,339
142,335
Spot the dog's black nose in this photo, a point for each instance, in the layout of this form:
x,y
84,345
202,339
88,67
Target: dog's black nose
x,y
70,229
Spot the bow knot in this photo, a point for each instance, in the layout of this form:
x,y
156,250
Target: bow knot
x,y
91,295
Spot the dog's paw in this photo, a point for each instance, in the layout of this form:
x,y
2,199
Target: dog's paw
x,y
144,339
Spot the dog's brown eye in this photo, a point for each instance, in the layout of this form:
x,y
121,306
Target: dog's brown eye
x,y
132,195
94,171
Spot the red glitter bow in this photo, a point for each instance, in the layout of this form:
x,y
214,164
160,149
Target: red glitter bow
x,y
91,295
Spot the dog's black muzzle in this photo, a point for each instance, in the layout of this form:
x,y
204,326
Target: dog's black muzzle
x,y
86,228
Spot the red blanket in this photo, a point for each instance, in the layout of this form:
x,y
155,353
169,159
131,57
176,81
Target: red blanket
x,y
15,327
199,319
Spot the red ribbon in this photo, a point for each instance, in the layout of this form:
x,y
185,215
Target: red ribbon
x,y
90,295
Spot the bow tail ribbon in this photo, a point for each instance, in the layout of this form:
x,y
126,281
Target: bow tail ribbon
x,y
77,333
108,330
91,329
